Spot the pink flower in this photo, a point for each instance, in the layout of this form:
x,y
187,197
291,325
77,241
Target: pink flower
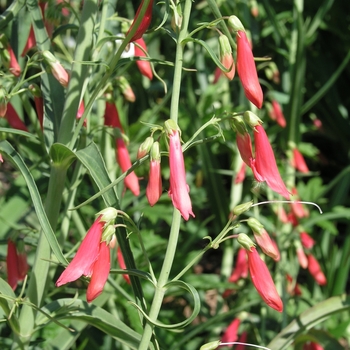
x,y
315,270
247,70
302,258
86,256
282,215
81,111
154,186
298,161
100,272
31,42
93,257
131,181
242,339
144,66
146,21
226,57
17,266
307,241
230,334
244,145
241,174
266,244
262,280
179,190
15,69
60,73
122,265
292,287
241,268
111,116
264,165
276,114
217,75
297,208
13,119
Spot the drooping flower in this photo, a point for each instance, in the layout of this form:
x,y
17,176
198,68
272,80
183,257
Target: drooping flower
x,y
179,190
154,186
123,158
241,267
126,89
275,113
13,118
260,274
297,208
298,161
111,116
144,66
16,262
226,57
316,271
146,21
241,174
122,265
264,165
306,240
56,67
263,239
247,70
230,334
93,258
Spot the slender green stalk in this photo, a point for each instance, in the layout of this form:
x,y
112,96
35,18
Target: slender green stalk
x,y
175,227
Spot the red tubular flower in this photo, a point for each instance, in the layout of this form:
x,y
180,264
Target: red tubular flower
x,y
154,186
307,241
262,280
179,190
17,266
241,268
13,119
217,75
93,257
131,181
122,265
266,244
230,334
264,165
15,69
100,272
277,114
242,339
12,264
302,258
298,161
244,145
31,42
315,270
241,174
86,256
247,70
81,111
312,346
146,21
111,116
144,66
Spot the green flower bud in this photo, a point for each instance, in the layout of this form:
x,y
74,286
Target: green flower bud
x,y
241,208
155,152
245,241
108,215
145,147
255,225
210,346
238,125
170,126
252,119
235,24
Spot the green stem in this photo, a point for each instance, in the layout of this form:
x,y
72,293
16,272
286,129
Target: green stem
x,y
175,227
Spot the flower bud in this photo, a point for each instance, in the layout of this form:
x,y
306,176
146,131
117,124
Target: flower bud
x,y
145,147
210,346
235,23
241,208
226,57
126,89
56,68
108,215
245,241
252,119
170,126
255,225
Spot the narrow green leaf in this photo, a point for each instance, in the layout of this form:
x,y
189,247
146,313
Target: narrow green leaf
x,y
309,319
16,159
78,310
